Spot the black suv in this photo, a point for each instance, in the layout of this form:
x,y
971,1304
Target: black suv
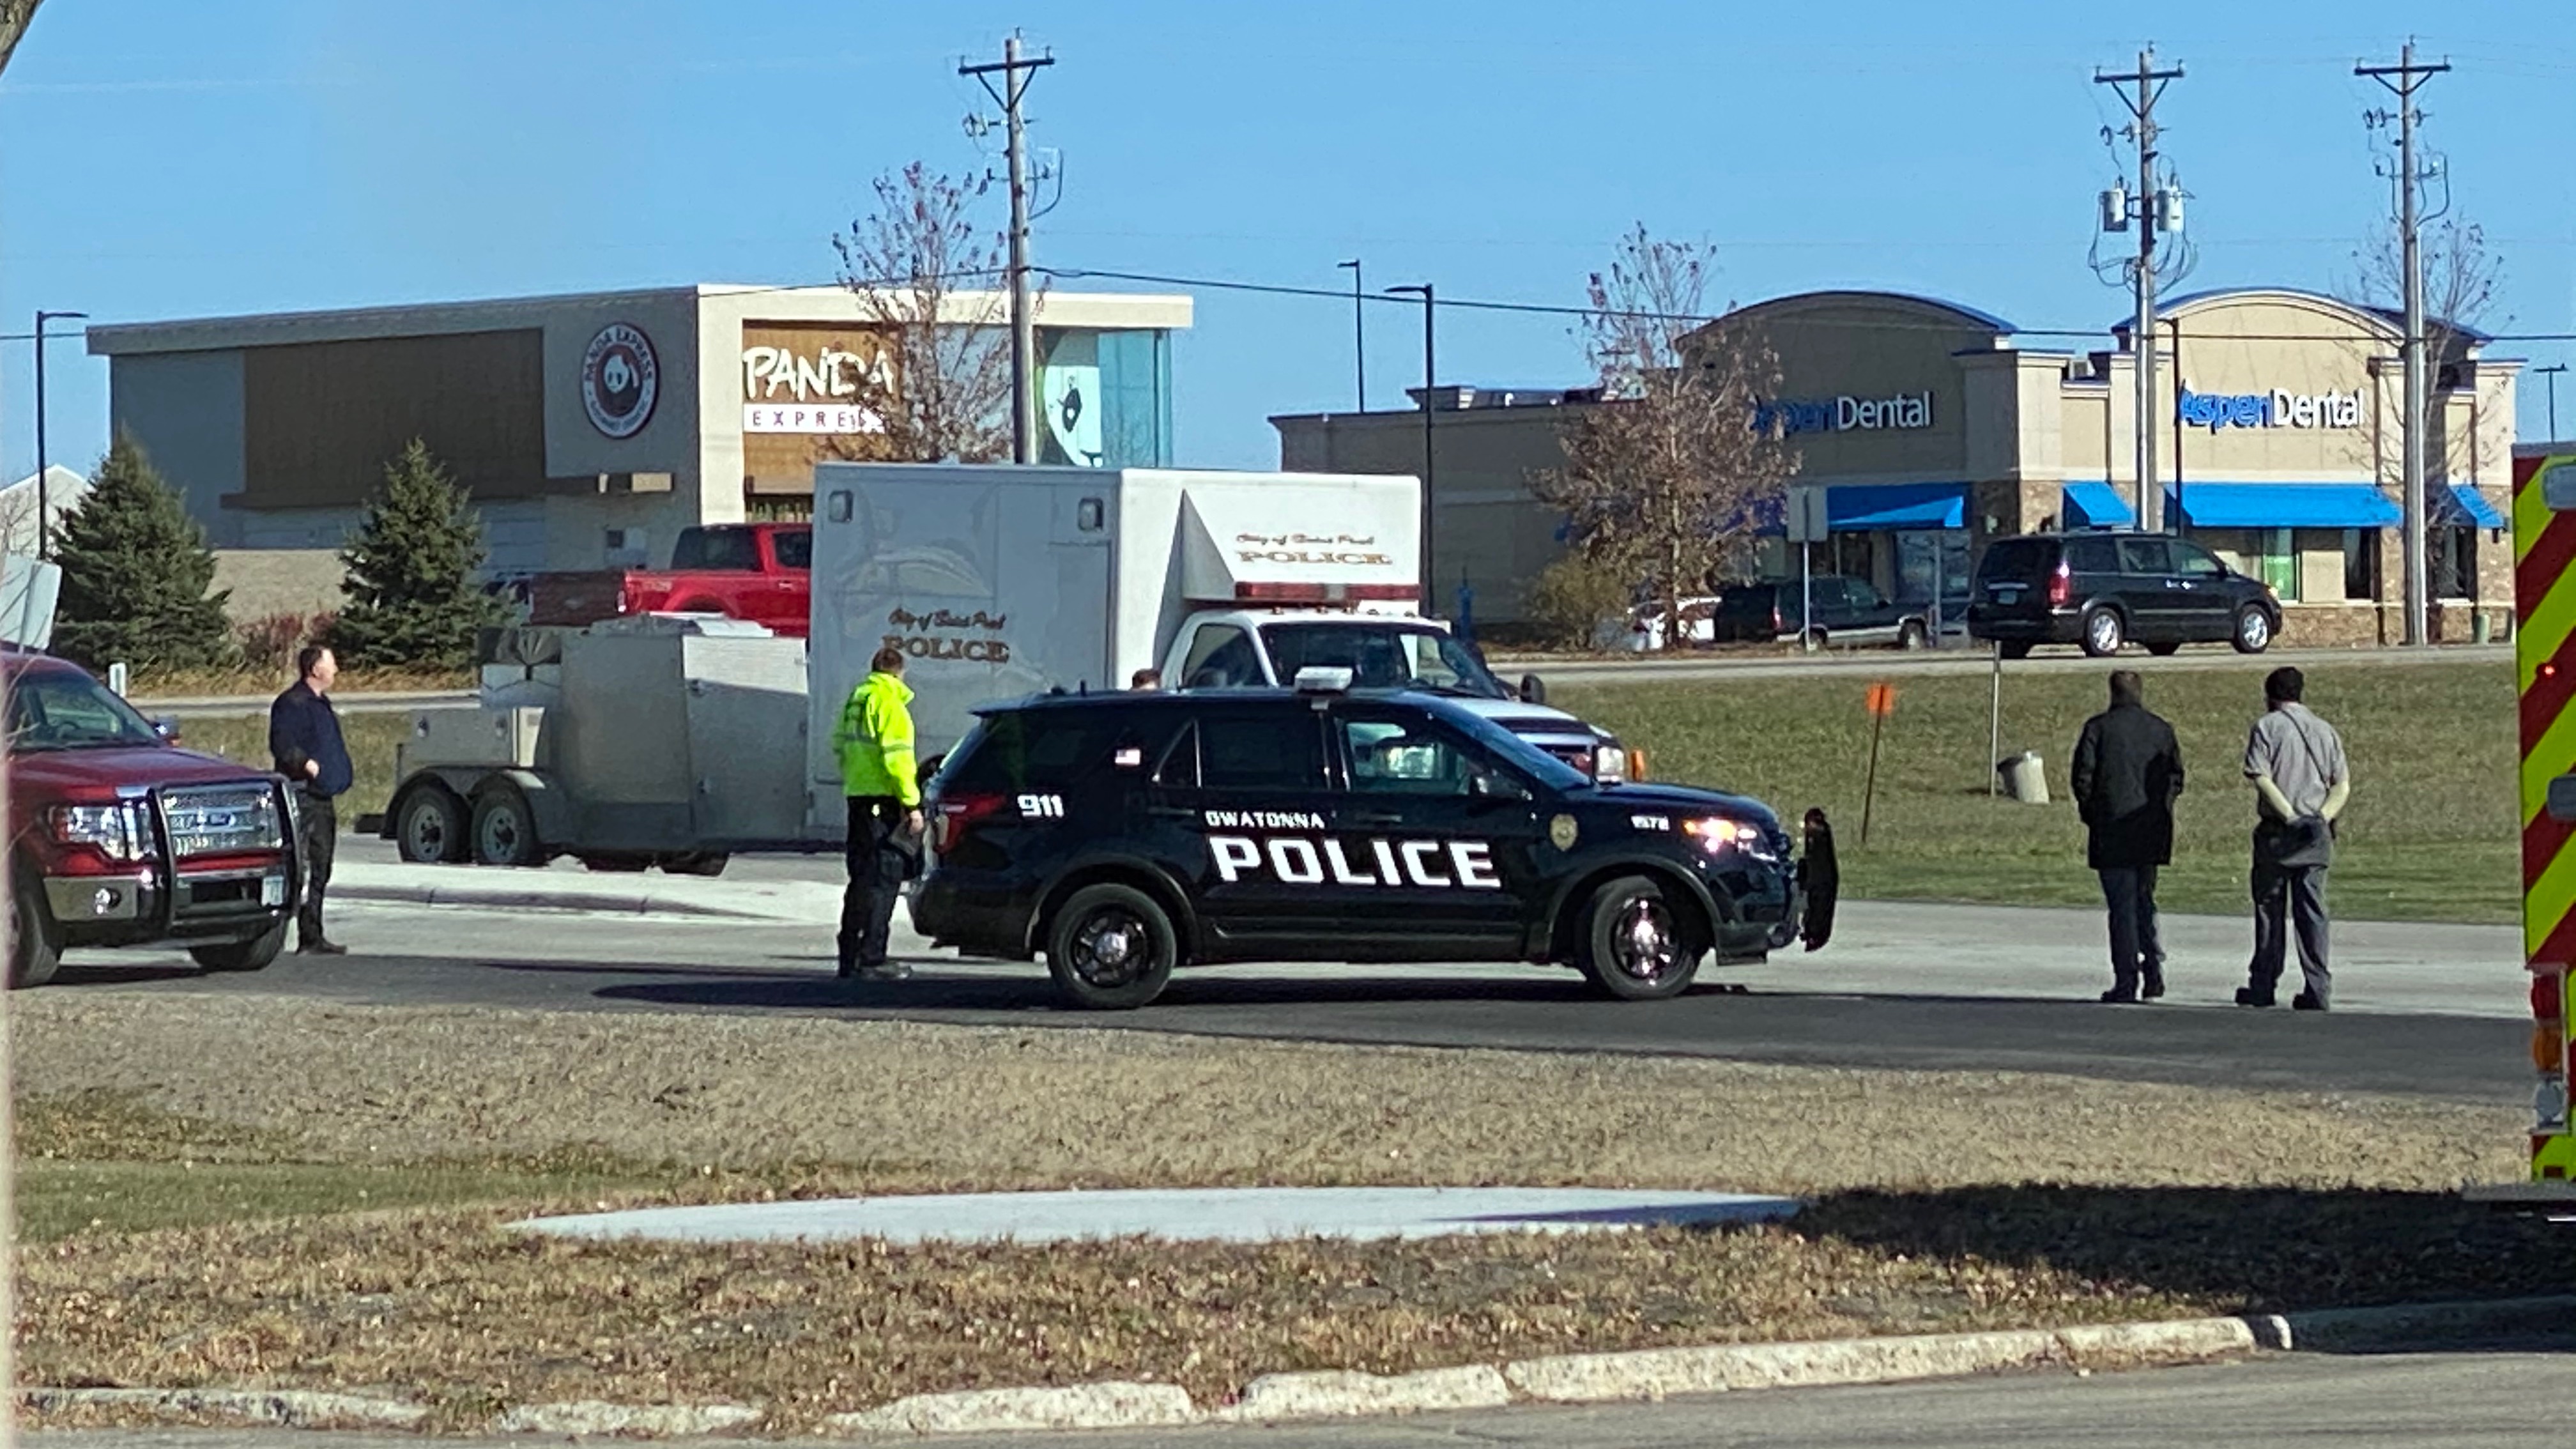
x,y
1122,835
2103,590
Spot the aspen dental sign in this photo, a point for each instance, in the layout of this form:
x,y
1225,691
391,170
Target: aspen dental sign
x,y
1904,411
2275,409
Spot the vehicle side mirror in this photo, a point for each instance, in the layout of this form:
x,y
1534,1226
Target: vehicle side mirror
x,y
1533,689
167,727
1488,786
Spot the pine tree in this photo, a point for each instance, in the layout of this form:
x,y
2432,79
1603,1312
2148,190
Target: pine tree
x,y
410,583
137,575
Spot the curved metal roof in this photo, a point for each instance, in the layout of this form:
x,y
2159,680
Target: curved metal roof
x,y
1970,315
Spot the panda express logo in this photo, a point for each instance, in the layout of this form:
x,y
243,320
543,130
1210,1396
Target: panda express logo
x,y
619,379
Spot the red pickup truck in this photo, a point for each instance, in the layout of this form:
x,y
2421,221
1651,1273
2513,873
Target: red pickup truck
x,y
117,837
756,571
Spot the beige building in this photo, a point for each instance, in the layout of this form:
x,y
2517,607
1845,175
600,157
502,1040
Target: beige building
x,y
1930,428
588,429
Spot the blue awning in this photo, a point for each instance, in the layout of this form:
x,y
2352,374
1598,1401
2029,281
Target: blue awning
x,y
2097,505
2284,505
1859,507
2465,505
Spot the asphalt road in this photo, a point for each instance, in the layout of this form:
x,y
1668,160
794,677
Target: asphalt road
x,y
408,955
2499,1399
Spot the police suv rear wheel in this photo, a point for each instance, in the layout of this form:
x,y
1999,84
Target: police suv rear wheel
x,y
1111,948
1635,944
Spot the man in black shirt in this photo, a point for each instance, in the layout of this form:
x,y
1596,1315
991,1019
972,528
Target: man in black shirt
x,y
2126,775
304,740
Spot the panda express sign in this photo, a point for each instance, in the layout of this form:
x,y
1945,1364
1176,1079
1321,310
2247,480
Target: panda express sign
x,y
814,380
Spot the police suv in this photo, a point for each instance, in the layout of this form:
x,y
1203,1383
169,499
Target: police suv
x,y
1122,835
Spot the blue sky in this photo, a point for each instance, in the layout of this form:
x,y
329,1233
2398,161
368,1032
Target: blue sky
x,y
171,158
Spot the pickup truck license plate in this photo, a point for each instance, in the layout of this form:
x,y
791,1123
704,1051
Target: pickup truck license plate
x,y
272,890
2007,594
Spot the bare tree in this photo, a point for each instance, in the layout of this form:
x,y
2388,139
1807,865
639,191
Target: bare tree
x,y
14,15
925,277
1665,480
2461,280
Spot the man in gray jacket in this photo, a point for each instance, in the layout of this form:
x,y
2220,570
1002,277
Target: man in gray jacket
x,y
2301,780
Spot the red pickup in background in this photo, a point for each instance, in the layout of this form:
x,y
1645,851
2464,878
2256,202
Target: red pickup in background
x,y
755,571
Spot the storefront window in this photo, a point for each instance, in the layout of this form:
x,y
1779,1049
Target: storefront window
x,y
1104,398
2280,563
2361,563
2454,562
1930,558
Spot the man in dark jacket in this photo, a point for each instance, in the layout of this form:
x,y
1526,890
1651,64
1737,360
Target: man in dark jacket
x,y
304,742
2126,774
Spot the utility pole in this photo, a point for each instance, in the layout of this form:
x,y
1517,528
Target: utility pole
x,y
1359,332
1429,372
44,485
2551,372
2140,91
2403,80
1015,72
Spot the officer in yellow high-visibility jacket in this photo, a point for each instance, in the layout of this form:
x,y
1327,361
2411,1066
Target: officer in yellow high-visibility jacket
x,y
879,774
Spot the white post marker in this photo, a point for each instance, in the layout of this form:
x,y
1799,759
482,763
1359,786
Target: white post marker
x,y
1995,725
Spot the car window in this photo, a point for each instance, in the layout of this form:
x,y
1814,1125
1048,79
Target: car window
x,y
1221,657
1027,749
1388,758
2026,559
1862,594
1383,656
1273,750
715,550
51,710
2144,556
2193,561
795,547
2091,556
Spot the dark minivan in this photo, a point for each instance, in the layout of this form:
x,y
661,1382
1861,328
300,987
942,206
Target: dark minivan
x,y
1843,611
2103,590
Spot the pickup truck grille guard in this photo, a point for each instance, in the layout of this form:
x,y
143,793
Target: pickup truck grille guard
x,y
189,823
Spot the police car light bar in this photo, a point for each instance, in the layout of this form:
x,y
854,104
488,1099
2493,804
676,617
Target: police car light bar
x,y
1323,593
1324,679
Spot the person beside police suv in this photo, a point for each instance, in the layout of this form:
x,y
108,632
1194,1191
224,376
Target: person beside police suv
x,y
2301,783
2126,774
880,776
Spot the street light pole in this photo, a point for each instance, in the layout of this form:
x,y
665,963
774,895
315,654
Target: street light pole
x,y
44,499
1430,371
1359,332
2551,372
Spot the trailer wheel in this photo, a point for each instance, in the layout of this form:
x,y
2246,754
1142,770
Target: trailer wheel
x,y
430,827
505,829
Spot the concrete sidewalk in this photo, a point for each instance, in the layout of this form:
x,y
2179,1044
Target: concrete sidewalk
x,y
568,887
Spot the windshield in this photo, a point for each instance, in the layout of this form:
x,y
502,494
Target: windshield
x,y
1519,753
58,710
1381,656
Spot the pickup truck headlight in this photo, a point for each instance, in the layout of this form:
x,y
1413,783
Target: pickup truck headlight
x,y
1609,762
108,829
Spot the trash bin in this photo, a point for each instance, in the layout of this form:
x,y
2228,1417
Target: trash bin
x,y
2024,779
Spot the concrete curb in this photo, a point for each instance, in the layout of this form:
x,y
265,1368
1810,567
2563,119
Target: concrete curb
x,y
504,898
287,1408
1110,1405
642,1421
1582,1378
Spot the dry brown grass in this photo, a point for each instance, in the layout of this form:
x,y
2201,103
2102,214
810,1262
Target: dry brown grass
x,y
1926,1215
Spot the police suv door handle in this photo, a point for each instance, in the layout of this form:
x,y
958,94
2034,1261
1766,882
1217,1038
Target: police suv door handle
x,y
1373,817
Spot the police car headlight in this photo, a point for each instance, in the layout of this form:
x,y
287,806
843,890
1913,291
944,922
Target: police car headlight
x,y
1609,762
1720,836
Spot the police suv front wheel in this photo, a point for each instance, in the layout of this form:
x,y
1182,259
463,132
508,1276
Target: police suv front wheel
x,y
1636,944
1111,948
